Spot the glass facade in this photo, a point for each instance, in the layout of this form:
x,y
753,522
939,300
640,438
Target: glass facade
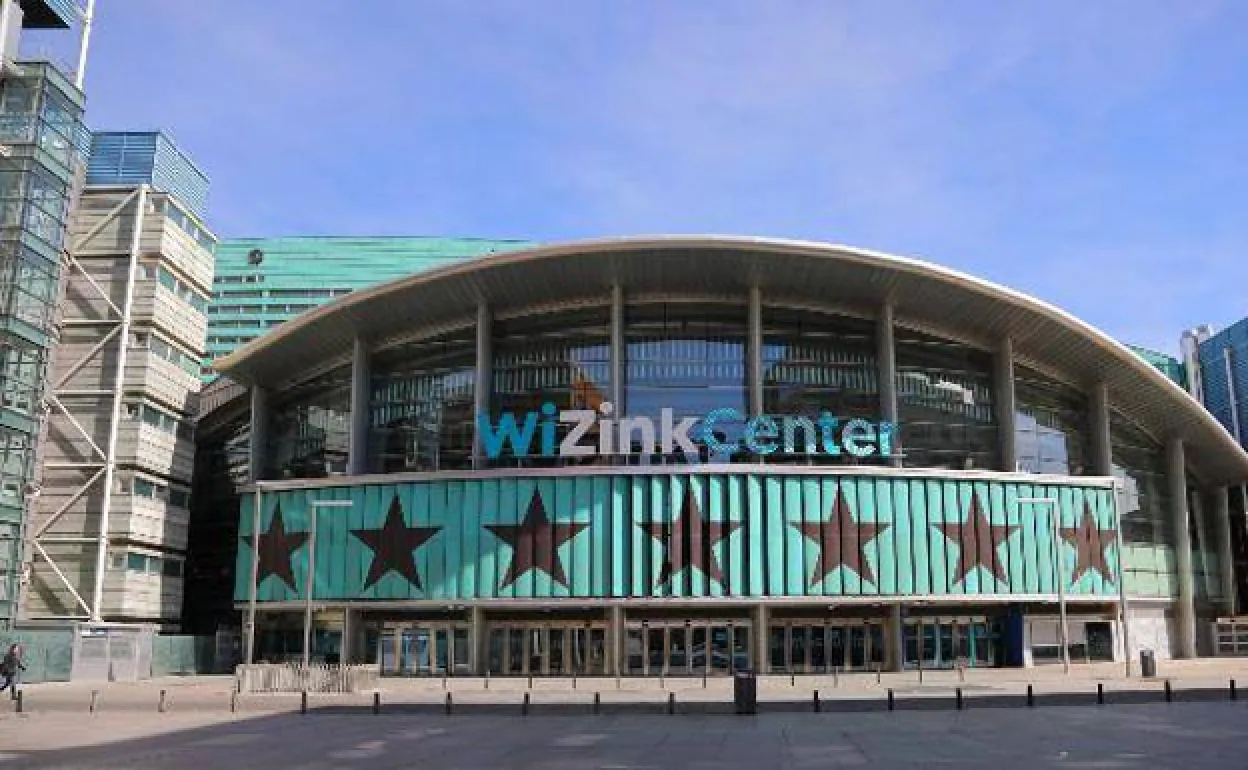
x,y
45,143
421,405
945,403
817,362
1051,425
689,357
309,429
563,359
1147,533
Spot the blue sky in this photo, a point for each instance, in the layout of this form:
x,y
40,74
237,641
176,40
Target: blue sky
x,y
1090,153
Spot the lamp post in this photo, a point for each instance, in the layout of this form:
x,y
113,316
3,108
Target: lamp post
x,y
1055,512
315,507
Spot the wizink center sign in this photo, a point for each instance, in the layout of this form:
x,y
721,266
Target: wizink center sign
x,y
722,432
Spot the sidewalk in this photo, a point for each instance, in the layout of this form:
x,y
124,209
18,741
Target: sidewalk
x,y
1207,679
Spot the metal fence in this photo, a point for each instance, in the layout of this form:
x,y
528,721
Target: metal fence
x,y
295,677
48,655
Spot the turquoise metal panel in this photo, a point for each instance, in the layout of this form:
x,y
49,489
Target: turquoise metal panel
x,y
755,512
487,538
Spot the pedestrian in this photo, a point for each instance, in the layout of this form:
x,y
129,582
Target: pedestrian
x,y
10,670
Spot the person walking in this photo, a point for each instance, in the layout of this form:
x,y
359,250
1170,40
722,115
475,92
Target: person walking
x,y
10,669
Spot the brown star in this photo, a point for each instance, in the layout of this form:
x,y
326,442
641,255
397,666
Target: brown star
x,y
275,549
1090,543
978,540
689,541
393,545
535,543
842,541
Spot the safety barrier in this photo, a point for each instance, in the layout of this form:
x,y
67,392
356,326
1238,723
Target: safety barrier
x,y
295,677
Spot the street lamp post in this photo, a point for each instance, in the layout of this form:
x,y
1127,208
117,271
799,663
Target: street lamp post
x,y
315,506
1055,512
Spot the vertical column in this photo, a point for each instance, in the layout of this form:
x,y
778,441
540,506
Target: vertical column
x,y
617,349
754,349
761,638
886,362
361,388
480,642
1185,611
348,637
615,638
893,637
1102,446
1226,554
1003,384
484,378
258,445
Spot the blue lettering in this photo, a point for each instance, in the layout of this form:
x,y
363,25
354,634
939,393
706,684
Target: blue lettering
x,y
761,427
493,438
707,435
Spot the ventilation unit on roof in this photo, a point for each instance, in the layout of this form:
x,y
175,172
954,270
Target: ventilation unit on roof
x,y
255,257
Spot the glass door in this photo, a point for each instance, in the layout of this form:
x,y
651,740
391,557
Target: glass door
x,y
742,659
677,651
441,651
462,652
515,651
557,663
836,647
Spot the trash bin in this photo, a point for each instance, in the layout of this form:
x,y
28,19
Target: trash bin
x,y
1148,664
745,692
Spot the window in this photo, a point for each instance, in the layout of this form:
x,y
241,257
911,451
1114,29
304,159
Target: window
x,y
171,568
136,562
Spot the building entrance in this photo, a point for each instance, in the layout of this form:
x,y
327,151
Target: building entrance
x,y
547,649
686,648
971,642
425,649
803,647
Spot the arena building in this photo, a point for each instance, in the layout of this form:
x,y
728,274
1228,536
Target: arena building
x,y
682,455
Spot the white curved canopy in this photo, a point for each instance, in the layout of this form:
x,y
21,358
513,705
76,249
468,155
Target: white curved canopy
x,y
923,295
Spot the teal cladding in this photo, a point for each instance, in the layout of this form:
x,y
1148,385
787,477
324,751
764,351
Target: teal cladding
x,y
698,535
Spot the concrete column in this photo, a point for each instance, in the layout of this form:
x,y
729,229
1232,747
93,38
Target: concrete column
x,y
886,363
1185,610
1003,386
348,636
258,447
1102,446
893,637
480,642
484,377
615,639
762,662
617,349
361,392
1226,555
754,351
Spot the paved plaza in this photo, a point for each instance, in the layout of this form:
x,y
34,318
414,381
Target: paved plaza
x,y
1186,735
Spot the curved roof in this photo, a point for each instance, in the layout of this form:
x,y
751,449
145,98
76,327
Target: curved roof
x,y
923,295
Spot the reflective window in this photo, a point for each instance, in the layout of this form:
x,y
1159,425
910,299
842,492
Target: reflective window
x,y
944,403
421,406
1050,425
1148,537
689,357
563,359
309,430
814,363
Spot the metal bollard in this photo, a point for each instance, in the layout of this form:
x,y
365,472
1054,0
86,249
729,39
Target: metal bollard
x,y
836,677
817,705
662,686
1234,695
1169,692
703,680
920,676
160,707
879,677
891,704
444,681
233,702
376,702
961,673
95,694
958,698
792,680
487,680
1100,693
1031,698
524,708
597,702
303,702
448,704
671,703
19,705
530,681
617,681
574,681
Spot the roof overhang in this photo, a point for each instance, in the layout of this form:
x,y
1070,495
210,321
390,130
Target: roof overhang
x,y
923,295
